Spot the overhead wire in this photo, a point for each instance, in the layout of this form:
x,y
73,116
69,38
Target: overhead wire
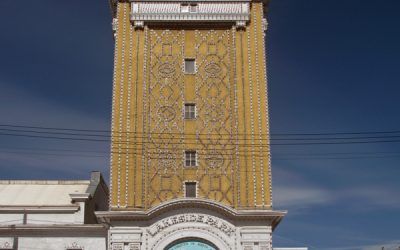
x,y
132,132
187,135
180,143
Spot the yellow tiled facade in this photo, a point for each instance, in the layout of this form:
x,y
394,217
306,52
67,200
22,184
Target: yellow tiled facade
x,y
230,133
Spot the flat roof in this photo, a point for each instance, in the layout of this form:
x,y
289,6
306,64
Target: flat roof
x,y
39,193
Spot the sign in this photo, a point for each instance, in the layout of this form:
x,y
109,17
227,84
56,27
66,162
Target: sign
x,y
191,218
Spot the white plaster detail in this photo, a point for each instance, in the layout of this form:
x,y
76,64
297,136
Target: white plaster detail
x,y
264,24
117,246
205,11
212,221
190,233
7,243
74,246
138,24
240,24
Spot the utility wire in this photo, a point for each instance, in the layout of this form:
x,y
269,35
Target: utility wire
x,y
18,149
231,156
195,138
180,143
276,134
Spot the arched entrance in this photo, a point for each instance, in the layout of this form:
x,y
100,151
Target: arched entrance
x,y
191,244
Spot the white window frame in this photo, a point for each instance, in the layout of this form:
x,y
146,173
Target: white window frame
x,y
194,66
190,160
189,105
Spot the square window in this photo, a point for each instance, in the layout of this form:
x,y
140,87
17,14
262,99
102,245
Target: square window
x,y
190,66
190,111
190,189
190,159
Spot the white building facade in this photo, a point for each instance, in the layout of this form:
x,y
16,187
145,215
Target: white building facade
x,y
44,215
191,224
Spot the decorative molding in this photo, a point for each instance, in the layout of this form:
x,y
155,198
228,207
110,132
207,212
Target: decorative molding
x,y
39,209
205,12
138,24
240,24
114,25
190,231
74,246
7,245
117,246
172,205
134,246
264,24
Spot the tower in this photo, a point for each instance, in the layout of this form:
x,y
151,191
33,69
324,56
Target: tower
x,y
190,155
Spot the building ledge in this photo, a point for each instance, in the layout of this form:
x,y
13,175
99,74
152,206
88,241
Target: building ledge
x,y
249,214
39,209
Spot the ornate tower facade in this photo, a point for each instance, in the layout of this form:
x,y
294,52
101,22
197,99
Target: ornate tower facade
x,y
190,155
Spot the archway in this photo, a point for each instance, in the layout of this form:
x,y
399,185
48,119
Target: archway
x,y
191,244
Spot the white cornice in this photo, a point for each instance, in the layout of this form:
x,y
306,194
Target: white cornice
x,y
56,229
198,1
39,209
203,11
250,214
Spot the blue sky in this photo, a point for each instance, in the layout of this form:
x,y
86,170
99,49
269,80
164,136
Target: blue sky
x,y
333,67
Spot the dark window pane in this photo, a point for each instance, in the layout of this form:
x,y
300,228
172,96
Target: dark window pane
x,y
190,188
190,111
190,158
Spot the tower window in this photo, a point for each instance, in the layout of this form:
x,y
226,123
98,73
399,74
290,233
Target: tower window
x,y
190,189
190,111
190,159
190,66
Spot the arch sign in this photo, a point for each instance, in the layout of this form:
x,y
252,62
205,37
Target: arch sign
x,y
191,245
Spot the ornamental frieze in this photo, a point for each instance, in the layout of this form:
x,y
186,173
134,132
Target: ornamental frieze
x,y
191,218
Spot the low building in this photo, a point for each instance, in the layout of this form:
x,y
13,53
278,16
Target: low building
x,y
48,214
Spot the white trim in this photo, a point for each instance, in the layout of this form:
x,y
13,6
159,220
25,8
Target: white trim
x,y
184,159
74,246
195,110
39,209
80,197
184,65
191,233
196,1
275,216
171,11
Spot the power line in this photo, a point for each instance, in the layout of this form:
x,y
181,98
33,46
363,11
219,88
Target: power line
x,y
277,154
276,134
196,138
180,143
231,156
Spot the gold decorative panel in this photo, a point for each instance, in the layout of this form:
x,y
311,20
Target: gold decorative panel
x,y
229,132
